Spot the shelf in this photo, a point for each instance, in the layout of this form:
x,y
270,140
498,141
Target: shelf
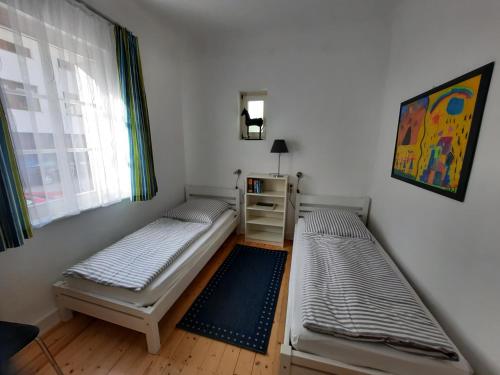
x,y
278,209
265,236
264,224
270,221
269,176
274,194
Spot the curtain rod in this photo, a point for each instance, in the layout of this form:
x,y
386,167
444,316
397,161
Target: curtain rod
x,y
100,14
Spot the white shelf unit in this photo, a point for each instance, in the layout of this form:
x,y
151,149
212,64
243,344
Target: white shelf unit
x,y
265,224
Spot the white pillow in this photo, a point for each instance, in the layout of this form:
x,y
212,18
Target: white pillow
x,y
199,210
336,222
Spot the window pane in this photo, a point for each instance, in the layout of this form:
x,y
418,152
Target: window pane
x,y
254,129
51,177
16,94
255,110
75,140
33,169
16,86
26,141
73,109
45,140
11,47
72,104
70,96
84,173
30,141
65,65
80,171
30,168
20,102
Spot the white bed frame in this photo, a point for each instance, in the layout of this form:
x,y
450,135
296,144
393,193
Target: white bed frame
x,y
145,319
305,203
296,362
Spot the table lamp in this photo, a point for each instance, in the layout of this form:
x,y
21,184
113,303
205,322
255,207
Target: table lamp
x,y
279,147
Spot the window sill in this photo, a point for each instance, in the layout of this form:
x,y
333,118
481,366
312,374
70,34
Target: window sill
x,y
68,216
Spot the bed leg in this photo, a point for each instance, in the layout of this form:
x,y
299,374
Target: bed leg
x,y
153,338
65,314
285,359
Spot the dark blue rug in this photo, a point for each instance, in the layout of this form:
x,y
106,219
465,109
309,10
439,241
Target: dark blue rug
x,y
237,305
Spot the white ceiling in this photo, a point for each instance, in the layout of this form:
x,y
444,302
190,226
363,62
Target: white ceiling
x,y
251,16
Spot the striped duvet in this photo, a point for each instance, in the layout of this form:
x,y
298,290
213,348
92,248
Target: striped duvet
x,y
134,261
351,291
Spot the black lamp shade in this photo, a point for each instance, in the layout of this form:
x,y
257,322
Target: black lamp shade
x,y
279,147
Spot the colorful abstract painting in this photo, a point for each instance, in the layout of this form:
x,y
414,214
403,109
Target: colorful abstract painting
x,y
437,134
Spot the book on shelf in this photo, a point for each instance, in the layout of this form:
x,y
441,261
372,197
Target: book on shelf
x,y
266,205
255,185
249,185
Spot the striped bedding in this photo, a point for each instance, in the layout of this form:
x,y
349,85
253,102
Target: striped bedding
x,y
351,291
336,222
134,261
198,210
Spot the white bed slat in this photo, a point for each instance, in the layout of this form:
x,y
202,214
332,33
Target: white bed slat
x,y
231,196
306,203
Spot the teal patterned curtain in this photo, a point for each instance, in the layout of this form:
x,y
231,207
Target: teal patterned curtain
x,y
15,224
144,185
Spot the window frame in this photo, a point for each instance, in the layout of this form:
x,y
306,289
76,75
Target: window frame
x,y
244,98
67,103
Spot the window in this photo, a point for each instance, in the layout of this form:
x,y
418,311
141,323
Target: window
x,y
65,65
72,104
252,119
18,95
62,96
11,47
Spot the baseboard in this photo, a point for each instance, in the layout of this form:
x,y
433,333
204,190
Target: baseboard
x,y
49,321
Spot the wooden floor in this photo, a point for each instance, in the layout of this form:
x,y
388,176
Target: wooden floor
x,y
89,346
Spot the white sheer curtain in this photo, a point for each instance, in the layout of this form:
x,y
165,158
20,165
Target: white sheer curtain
x,y
59,78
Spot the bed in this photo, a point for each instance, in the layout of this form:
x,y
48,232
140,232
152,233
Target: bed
x,y
142,310
307,352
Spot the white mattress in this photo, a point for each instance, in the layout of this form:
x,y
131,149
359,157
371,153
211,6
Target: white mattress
x,y
370,355
165,281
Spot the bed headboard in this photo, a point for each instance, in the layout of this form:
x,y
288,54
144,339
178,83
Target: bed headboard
x,y
229,195
307,203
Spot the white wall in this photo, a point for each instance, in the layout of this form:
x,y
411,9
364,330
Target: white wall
x,y
26,273
450,250
334,95
324,94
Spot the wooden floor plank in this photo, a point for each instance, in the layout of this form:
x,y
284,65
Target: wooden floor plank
x,y
200,352
181,355
135,360
228,361
169,346
88,346
244,365
212,360
31,359
77,350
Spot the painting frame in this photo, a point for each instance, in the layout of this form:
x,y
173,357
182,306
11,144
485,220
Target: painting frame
x,y
485,73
